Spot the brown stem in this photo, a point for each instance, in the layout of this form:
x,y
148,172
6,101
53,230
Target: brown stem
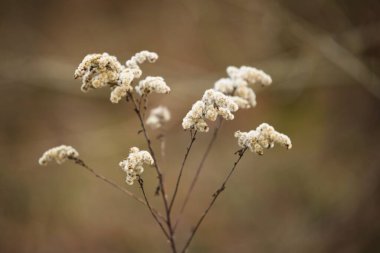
x,y
214,197
159,173
113,184
198,172
192,139
141,183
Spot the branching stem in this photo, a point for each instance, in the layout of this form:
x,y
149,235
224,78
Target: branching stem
x,y
115,185
198,172
141,183
214,197
192,139
137,110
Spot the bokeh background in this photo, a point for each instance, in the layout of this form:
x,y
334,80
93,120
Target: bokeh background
x,y
324,58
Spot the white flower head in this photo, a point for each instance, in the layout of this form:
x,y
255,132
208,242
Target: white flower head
x,y
225,85
242,103
212,105
218,104
58,154
101,70
140,58
236,85
194,119
120,91
98,70
133,164
249,74
264,137
246,95
152,84
158,117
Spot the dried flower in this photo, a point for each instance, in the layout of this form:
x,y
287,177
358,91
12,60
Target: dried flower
x,y
158,116
120,91
212,105
250,75
236,85
101,70
140,58
133,164
194,119
264,137
98,70
59,154
152,84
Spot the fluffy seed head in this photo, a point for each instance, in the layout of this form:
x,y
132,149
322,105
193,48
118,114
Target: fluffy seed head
x,y
133,164
58,154
101,70
98,70
236,85
264,137
249,74
152,84
120,91
140,58
212,105
158,117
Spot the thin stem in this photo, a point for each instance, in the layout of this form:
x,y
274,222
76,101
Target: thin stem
x,y
214,197
141,183
113,184
192,139
161,138
159,173
149,142
198,172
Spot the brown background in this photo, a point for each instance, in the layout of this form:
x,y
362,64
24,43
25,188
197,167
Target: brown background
x,y
323,55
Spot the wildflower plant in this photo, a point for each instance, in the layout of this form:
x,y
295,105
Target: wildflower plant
x,y
217,104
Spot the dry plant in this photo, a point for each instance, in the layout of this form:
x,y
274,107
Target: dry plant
x,y
217,104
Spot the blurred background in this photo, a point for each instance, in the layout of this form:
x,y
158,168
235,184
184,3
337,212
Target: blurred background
x,y
321,196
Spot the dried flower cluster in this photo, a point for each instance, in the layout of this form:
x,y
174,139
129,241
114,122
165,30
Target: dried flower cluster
x,y
236,85
140,58
264,137
212,105
101,70
98,70
124,86
158,117
133,164
152,84
58,154
228,95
